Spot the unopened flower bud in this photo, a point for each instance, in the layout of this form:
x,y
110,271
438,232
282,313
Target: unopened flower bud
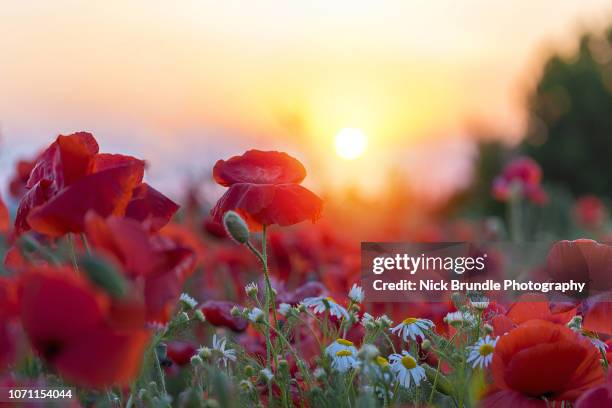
x,y
283,365
235,312
426,345
251,290
368,352
211,403
205,352
319,373
457,299
236,227
488,329
196,361
249,371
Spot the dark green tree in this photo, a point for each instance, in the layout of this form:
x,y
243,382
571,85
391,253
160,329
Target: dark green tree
x,y
570,125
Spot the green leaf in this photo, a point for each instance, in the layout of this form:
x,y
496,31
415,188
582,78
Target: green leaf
x,y
103,274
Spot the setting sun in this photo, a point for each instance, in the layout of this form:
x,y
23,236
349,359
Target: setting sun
x,y
350,143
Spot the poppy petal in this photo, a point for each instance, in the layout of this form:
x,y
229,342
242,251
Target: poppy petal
x,y
283,204
37,195
49,299
259,167
153,209
103,357
66,160
107,193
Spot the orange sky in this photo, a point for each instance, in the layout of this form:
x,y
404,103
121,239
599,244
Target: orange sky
x,y
182,83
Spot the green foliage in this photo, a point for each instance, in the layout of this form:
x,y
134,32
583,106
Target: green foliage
x,y
570,129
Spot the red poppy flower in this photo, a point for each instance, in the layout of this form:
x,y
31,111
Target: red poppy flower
x,y
541,359
71,178
590,212
582,260
162,264
218,313
180,352
80,330
264,188
524,173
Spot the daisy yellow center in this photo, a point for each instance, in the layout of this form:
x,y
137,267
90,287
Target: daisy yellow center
x,y
486,349
409,362
330,299
381,361
345,342
343,353
410,320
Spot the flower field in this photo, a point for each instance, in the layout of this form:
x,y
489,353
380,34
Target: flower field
x,y
111,288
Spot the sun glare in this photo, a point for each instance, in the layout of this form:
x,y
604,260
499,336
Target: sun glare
x,y
350,143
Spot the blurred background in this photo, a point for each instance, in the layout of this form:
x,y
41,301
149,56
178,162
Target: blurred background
x,y
400,110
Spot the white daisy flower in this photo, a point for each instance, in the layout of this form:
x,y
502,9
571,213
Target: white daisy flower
x,y
406,369
284,308
218,345
320,304
412,327
255,315
188,301
481,353
343,354
338,345
460,319
356,293
344,360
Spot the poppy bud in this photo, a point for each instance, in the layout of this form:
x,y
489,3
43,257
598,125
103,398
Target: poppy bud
x,y
426,345
236,227
442,384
